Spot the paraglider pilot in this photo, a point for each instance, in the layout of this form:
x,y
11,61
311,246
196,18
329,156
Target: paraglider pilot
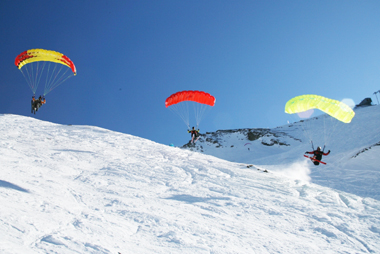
x,y
317,155
194,134
37,103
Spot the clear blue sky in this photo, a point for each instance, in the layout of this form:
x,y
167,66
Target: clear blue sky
x,y
130,56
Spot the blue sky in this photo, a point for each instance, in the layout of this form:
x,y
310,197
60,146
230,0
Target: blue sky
x,y
130,56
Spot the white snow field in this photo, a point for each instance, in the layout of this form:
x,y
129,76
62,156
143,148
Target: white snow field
x,y
83,189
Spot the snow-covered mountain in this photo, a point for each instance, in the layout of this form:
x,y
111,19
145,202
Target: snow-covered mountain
x,y
83,189
353,165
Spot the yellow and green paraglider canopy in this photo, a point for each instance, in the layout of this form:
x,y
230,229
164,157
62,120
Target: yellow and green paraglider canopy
x,y
334,108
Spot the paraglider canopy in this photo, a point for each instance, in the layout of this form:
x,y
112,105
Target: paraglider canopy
x,y
51,66
334,108
196,96
34,55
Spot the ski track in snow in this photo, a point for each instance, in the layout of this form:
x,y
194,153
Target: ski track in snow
x,y
83,189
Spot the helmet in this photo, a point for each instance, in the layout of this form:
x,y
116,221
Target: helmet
x,y
319,148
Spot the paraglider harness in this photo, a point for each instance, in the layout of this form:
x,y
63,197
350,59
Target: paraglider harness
x,y
37,103
194,135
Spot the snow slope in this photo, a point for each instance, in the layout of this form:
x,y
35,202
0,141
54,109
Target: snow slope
x,y
83,189
353,165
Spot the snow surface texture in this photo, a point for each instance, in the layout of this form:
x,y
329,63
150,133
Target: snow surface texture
x,y
82,189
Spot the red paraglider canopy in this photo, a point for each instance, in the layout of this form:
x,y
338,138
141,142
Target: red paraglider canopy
x,y
197,96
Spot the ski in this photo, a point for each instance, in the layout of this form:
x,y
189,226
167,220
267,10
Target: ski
x,y
314,159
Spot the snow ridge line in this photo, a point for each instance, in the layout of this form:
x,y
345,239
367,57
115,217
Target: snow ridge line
x,y
365,149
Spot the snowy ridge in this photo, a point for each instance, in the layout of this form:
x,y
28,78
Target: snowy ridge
x,y
365,149
83,189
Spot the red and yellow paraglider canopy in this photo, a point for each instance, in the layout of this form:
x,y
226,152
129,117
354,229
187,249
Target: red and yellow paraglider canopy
x,y
34,55
48,65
